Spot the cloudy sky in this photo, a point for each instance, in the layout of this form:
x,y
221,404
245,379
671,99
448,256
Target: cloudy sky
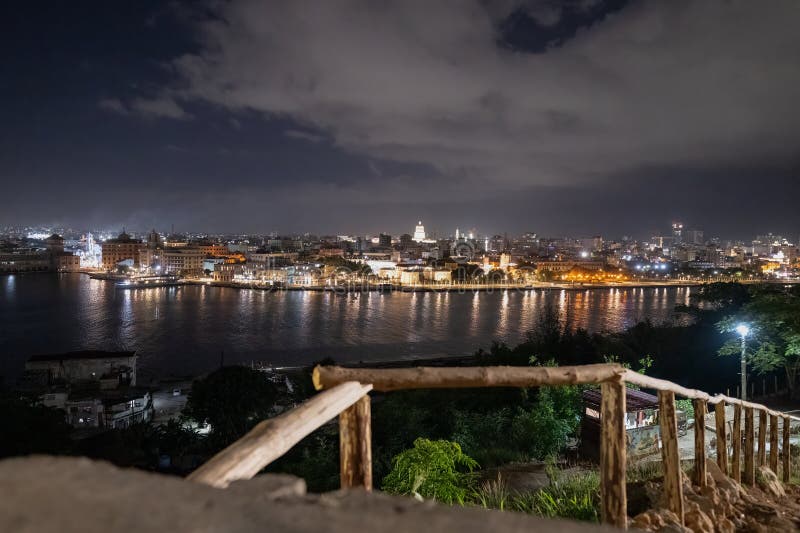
x,y
561,117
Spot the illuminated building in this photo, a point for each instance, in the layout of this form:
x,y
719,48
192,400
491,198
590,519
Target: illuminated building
x,y
437,275
185,261
121,249
419,232
566,266
226,271
505,261
273,258
213,249
677,232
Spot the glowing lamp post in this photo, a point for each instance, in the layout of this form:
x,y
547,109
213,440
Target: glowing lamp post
x,y
743,330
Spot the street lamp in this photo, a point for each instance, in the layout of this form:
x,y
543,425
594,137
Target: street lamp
x,y
743,330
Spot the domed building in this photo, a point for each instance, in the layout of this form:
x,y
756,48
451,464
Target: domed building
x,y
419,232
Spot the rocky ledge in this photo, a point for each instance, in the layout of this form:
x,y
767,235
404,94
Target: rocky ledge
x,y
59,494
722,506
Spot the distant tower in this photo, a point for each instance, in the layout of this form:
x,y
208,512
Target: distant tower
x,y
457,235
153,240
677,232
419,232
90,244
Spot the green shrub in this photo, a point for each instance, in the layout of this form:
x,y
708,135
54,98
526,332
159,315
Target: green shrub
x,y
686,406
484,436
543,430
432,469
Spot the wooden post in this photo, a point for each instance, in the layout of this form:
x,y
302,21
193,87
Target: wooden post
x,y
668,422
762,438
787,461
699,442
271,438
749,476
773,443
613,454
736,440
355,445
722,443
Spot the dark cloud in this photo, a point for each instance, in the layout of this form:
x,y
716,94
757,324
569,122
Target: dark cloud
x,y
702,83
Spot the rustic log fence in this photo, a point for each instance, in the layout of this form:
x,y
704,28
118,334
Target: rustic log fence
x,y
345,393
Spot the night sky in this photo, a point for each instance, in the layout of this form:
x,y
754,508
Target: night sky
x,y
560,117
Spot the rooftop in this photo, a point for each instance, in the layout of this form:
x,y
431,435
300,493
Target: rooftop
x,y
635,400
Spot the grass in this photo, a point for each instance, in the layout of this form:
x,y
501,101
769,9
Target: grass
x,y
644,471
575,497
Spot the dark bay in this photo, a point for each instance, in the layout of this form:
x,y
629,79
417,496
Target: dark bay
x,y
186,330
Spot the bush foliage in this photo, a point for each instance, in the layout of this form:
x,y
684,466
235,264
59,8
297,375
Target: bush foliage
x,y
436,470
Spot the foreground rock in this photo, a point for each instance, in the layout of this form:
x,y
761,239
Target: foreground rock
x,y
65,495
725,506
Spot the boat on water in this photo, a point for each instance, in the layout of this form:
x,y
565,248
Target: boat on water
x,y
149,282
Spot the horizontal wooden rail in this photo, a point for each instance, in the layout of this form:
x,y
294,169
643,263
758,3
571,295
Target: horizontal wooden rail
x,y
389,379
270,439
648,382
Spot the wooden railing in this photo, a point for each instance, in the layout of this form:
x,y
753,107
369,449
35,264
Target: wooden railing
x,y
345,393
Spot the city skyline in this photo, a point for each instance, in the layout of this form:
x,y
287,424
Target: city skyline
x,y
692,234
567,118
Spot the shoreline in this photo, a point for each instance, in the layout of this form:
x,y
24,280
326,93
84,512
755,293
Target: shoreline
x,y
391,288
424,288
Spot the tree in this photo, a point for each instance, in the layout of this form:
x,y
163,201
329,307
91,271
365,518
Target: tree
x,y
30,428
774,340
467,273
542,431
723,295
232,400
496,276
545,275
432,469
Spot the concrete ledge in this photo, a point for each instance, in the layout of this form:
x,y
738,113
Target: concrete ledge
x,y
45,494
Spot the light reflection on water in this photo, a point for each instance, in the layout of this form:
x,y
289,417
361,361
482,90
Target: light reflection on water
x,y
184,330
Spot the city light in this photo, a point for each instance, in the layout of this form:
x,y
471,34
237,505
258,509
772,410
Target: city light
x,y
743,330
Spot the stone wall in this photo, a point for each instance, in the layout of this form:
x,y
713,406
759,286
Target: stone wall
x,y
65,495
